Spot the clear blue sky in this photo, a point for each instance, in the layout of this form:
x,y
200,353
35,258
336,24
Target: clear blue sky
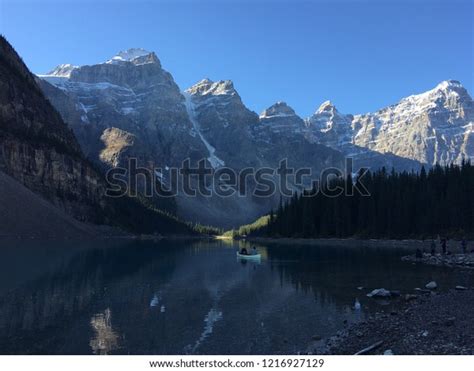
x,y
360,54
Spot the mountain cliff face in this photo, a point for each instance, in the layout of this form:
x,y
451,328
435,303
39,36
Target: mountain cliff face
x,y
280,134
39,150
36,147
432,127
280,120
130,92
329,127
238,138
223,122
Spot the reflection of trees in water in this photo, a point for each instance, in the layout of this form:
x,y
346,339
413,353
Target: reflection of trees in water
x,y
105,339
333,273
51,304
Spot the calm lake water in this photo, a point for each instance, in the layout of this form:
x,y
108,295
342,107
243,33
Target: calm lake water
x,y
144,297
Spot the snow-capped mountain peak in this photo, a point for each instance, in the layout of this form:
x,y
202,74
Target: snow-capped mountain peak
x,y
130,54
279,109
209,87
447,92
329,122
136,56
430,127
449,84
282,120
63,70
326,106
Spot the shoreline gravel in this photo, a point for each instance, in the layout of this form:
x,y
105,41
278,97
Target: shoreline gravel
x,y
428,324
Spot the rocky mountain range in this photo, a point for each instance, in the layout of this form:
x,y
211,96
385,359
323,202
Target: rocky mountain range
x,y
129,106
433,127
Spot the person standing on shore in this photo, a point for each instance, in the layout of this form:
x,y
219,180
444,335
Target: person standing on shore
x,y
443,245
433,248
418,254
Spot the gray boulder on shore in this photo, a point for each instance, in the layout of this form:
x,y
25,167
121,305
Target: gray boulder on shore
x,y
379,293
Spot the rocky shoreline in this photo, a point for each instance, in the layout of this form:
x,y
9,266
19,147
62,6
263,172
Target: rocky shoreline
x,y
429,323
453,260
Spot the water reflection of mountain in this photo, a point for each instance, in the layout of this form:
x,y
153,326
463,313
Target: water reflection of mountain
x,y
45,314
105,339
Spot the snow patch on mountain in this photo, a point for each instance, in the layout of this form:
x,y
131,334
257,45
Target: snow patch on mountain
x,y
63,70
431,127
325,106
129,55
215,161
327,122
279,119
209,87
279,109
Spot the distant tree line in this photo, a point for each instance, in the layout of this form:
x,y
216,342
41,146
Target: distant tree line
x,y
400,205
248,229
205,229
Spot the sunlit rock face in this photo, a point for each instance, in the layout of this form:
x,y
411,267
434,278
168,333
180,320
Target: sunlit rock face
x,y
105,338
433,127
116,141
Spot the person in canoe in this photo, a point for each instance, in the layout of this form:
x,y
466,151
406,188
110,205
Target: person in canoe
x,y
254,251
243,251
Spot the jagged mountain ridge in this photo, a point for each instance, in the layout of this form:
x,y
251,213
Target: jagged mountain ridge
x,y
241,140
